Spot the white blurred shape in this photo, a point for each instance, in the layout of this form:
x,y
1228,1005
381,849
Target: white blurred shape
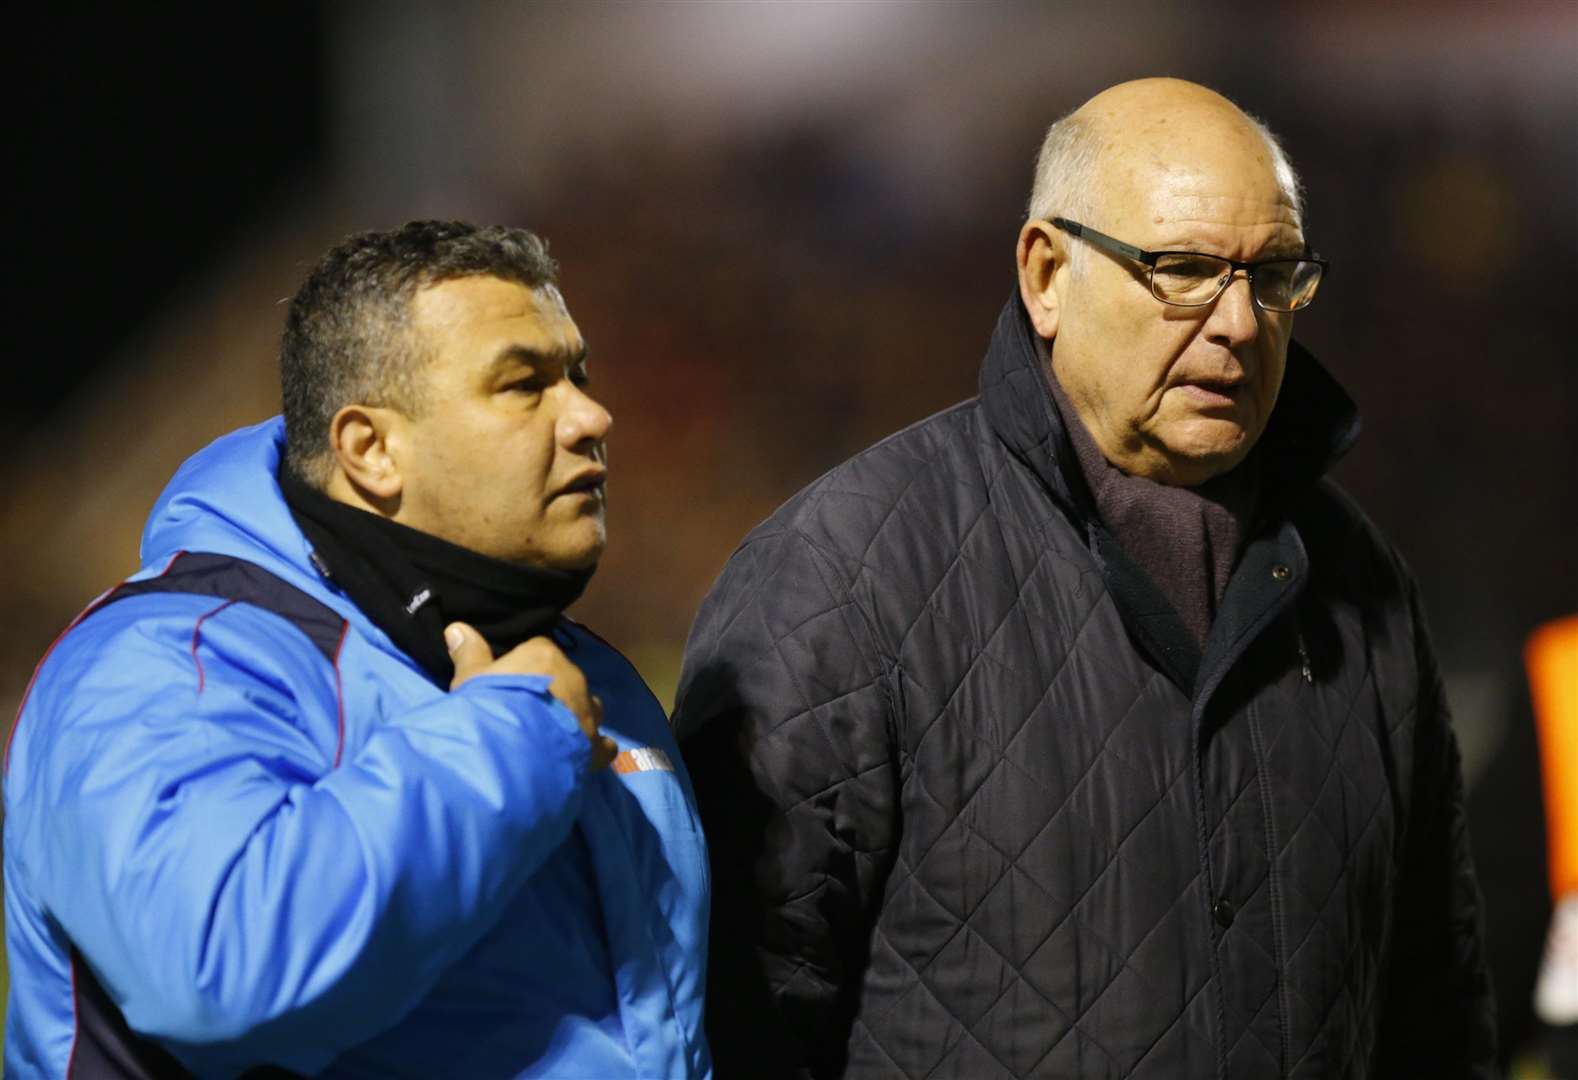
x,y
1556,990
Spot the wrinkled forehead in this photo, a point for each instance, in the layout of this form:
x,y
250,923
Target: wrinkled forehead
x,y
481,300
550,301
1163,175
467,324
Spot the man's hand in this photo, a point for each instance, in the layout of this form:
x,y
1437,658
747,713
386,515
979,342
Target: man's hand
x,y
534,656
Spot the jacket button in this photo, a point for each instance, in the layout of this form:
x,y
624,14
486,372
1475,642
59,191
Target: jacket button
x,y
1223,912
1281,572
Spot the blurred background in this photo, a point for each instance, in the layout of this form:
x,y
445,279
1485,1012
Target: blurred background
x,y
786,230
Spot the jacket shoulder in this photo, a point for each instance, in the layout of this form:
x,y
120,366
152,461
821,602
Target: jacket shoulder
x,y
1348,549
610,673
152,666
898,485
839,564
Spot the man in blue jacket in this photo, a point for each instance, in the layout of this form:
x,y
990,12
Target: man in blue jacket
x,y
330,786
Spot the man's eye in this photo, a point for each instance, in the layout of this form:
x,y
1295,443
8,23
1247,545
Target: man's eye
x,y
1184,268
1277,274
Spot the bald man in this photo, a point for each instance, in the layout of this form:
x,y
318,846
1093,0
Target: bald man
x,y
1084,729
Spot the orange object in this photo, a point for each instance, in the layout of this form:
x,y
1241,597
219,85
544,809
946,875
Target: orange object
x,y
1552,659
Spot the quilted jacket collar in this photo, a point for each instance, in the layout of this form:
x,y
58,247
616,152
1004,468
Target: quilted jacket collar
x,y
1314,424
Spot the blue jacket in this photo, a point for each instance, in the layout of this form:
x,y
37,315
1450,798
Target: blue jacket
x,y
339,868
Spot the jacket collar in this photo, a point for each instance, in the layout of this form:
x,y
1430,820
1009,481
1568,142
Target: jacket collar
x,y
225,500
1314,423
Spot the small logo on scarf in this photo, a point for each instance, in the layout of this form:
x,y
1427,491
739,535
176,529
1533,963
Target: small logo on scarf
x,y
642,759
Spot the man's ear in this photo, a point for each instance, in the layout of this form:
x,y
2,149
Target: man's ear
x,y
1040,254
364,440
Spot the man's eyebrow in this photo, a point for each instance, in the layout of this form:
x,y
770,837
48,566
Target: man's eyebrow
x,y
517,355
1283,251
1291,250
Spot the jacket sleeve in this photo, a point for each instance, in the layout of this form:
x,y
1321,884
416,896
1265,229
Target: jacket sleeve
x,y
784,718
1439,1016
186,828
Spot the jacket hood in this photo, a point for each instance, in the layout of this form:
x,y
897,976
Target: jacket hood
x,y
225,499
1314,423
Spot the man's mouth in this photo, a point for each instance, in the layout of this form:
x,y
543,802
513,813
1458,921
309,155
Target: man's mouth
x,y
592,480
1213,392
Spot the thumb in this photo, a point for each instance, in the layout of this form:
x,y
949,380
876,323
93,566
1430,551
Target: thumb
x,y
468,650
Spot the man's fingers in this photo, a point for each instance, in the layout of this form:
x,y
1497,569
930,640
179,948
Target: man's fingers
x,y
536,656
468,650
604,750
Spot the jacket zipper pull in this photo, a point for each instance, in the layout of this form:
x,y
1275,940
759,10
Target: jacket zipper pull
x,y
1304,661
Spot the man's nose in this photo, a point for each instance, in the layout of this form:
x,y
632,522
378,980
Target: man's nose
x,y
1234,318
583,418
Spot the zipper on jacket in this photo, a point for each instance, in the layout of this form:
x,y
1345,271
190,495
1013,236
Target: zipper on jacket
x,y
1304,659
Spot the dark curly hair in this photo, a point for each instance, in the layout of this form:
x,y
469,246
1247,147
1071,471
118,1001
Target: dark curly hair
x,y
348,337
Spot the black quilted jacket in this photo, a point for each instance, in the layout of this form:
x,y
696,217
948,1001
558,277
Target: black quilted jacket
x,y
979,807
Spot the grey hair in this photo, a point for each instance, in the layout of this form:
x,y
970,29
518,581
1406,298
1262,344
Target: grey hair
x,y
348,336
1287,176
1065,180
1066,174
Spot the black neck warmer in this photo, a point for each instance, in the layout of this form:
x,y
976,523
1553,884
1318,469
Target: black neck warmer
x,y
412,585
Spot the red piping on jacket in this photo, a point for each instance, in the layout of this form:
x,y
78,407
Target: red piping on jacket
x,y
339,693
196,632
99,602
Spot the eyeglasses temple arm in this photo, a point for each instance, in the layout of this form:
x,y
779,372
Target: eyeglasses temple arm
x,y
1102,240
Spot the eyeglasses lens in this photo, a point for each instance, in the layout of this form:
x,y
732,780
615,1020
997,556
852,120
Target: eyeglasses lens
x,y
1291,286
1191,280
1188,279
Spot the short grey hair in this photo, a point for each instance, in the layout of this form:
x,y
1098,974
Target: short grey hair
x,y
348,335
1065,179
1066,173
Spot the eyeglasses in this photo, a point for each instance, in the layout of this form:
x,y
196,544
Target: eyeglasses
x,y
1194,279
